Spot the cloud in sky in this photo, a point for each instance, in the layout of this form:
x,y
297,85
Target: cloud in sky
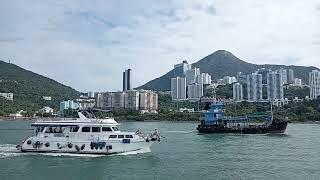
x,y
87,44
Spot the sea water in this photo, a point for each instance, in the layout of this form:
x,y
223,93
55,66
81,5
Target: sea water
x,y
181,154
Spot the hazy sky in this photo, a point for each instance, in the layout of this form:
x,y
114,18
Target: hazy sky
x,y
87,44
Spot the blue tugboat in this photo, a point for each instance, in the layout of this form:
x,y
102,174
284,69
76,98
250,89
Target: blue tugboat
x,y
216,122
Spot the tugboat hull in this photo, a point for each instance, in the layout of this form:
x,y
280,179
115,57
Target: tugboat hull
x,y
274,128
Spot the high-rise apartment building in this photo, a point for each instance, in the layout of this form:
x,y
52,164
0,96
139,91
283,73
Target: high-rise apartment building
x,y
314,83
254,87
290,76
191,75
284,76
148,101
131,100
178,88
127,80
195,91
181,69
241,78
275,86
264,73
145,101
237,92
204,78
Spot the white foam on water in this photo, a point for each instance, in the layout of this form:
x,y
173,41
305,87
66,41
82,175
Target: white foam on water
x,y
141,151
8,150
182,132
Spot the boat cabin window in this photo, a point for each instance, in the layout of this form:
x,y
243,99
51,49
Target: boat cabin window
x,y
106,129
115,128
86,129
96,129
39,129
120,136
57,129
74,129
113,136
129,136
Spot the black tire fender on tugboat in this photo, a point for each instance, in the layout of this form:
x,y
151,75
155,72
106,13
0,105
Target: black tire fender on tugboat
x,y
29,142
82,147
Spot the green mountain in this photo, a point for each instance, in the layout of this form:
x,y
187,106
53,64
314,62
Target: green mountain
x,y
223,63
28,89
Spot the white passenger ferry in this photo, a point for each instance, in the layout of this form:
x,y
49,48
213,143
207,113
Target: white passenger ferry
x,y
85,135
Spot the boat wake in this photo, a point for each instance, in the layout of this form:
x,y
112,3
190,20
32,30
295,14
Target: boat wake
x,y
180,132
9,150
141,151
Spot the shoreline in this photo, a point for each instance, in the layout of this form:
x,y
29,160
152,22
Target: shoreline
x,y
122,119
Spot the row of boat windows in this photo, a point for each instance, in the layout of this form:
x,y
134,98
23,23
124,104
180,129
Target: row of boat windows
x,y
95,129
60,129
120,136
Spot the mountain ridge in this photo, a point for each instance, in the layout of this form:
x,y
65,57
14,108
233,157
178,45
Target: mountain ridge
x,y
223,63
28,89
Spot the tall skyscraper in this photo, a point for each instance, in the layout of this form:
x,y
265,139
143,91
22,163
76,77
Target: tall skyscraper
x,y
264,72
275,86
237,92
314,83
127,80
290,76
181,69
254,87
178,88
284,76
191,75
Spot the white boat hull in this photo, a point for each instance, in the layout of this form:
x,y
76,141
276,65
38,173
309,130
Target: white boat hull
x,y
83,147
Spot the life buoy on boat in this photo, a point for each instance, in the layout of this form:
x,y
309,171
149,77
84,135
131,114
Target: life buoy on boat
x,y
29,142
59,145
70,145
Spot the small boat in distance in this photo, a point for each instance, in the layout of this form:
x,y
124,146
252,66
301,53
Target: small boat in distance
x,y
216,122
85,135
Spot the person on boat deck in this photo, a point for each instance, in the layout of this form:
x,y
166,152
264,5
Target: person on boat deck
x,y
49,130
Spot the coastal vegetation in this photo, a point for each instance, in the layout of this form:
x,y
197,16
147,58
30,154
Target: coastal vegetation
x,y
28,89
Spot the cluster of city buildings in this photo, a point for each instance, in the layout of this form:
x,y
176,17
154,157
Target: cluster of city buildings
x,y
267,85
144,101
141,100
7,96
188,83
